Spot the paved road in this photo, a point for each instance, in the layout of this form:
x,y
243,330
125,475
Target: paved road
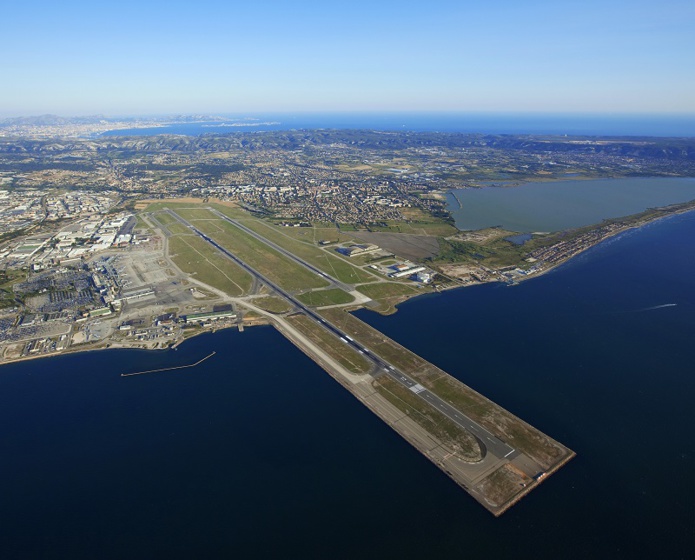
x,y
488,441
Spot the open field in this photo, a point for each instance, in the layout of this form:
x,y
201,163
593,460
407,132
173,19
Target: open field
x,y
417,222
271,264
459,440
543,449
386,290
196,257
495,253
503,485
333,346
405,245
386,295
156,205
230,210
323,260
518,434
317,232
171,223
7,280
325,297
140,223
373,339
273,304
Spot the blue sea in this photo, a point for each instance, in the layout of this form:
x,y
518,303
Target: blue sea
x,y
258,453
486,123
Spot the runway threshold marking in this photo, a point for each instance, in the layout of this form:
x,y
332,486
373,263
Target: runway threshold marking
x,y
417,388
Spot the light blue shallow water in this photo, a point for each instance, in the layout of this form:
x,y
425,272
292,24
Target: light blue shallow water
x,y
560,205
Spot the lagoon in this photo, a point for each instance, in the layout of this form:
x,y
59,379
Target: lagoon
x,y
559,205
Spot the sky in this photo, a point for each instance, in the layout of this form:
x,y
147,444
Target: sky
x,y
207,56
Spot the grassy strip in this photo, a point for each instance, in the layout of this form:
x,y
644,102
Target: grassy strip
x,y
273,304
417,223
325,297
387,290
330,264
195,256
333,346
8,279
140,223
387,295
171,223
430,419
233,212
375,340
493,417
313,234
271,264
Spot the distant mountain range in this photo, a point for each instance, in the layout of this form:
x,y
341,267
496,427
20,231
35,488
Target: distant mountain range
x,y
55,120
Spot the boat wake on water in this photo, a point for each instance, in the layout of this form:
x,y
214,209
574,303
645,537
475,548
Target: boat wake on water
x,y
654,307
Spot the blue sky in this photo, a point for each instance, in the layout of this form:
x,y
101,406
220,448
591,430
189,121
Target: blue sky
x,y
118,58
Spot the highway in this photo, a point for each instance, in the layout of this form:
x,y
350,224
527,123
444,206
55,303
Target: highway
x,y
487,441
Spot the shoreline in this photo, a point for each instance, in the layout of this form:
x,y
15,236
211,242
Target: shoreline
x,y
665,212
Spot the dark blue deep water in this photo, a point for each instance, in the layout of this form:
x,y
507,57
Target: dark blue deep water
x,y
259,454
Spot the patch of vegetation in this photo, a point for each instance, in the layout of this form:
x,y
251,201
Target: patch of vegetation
x,y
498,253
383,290
516,433
376,341
195,256
461,251
338,350
7,280
171,223
503,484
330,264
321,298
267,261
441,427
272,304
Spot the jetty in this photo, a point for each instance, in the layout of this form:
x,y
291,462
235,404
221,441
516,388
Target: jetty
x,y
169,368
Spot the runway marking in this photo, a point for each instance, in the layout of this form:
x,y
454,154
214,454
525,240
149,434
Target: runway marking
x,y
417,388
508,454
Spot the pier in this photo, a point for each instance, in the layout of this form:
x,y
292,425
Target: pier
x,y
169,368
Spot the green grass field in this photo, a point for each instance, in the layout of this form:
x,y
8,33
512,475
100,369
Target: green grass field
x,y
170,223
195,256
384,290
273,304
268,262
328,263
325,297
338,350
429,418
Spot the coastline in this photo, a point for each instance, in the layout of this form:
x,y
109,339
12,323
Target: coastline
x,y
634,222
652,216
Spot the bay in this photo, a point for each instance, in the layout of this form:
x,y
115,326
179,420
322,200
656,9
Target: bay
x,y
559,205
485,123
259,453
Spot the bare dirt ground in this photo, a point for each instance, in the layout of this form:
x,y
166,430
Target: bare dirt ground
x,y
461,271
405,245
481,236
